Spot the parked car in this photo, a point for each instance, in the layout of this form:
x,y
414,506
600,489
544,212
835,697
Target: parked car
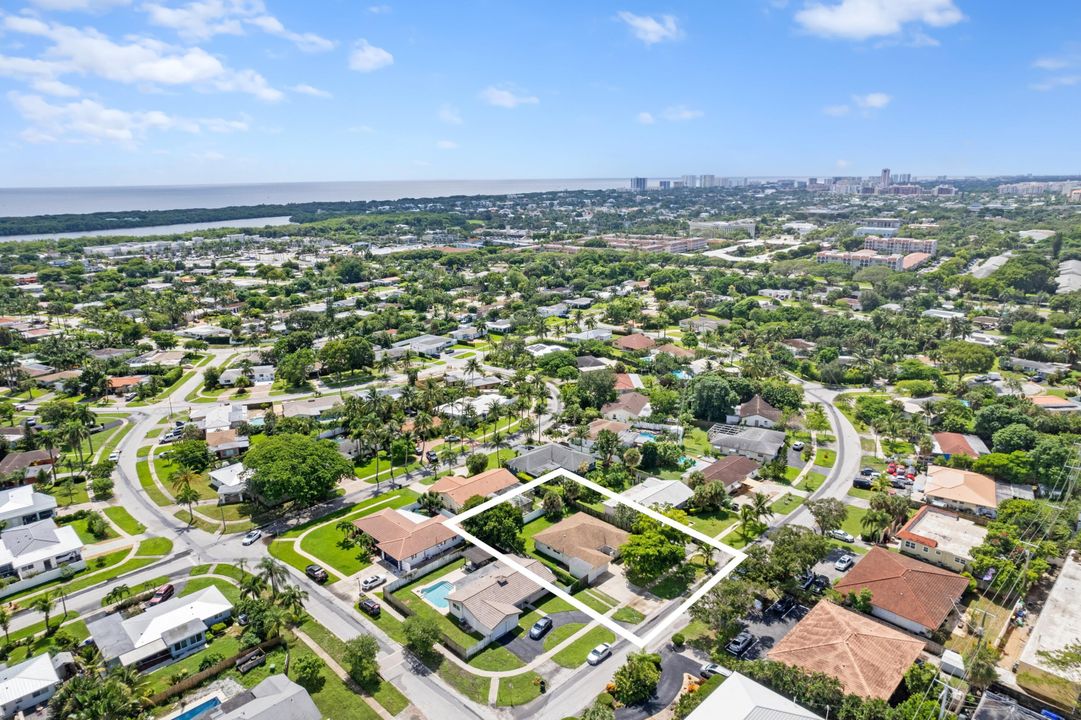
x,y
316,573
114,456
821,582
864,483
844,563
599,653
129,397
841,535
540,627
782,606
807,581
868,472
162,594
252,536
431,456
372,582
739,644
710,669
451,439
798,445
371,607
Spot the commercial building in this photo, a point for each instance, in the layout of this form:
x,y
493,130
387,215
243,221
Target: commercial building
x,y
172,630
869,258
941,537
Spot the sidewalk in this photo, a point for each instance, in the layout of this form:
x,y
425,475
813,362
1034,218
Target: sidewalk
x,y
341,673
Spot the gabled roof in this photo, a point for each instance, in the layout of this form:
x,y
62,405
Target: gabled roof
x,y
459,489
868,658
400,536
495,591
758,406
906,587
740,698
951,443
675,350
632,402
27,678
961,486
635,341
584,537
730,470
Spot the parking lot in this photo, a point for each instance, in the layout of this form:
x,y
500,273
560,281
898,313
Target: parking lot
x,y
768,628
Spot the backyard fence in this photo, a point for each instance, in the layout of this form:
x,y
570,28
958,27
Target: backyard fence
x,y
202,676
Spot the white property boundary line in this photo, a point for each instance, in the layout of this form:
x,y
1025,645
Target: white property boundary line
x,y
509,560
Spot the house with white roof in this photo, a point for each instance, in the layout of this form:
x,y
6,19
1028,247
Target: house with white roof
x,y
172,630
230,482
36,553
653,491
30,683
480,405
221,417
740,698
258,373
275,698
22,506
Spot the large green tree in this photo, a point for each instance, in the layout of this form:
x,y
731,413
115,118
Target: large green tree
x,y
296,467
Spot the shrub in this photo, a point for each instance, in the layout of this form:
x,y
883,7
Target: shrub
x,y
308,672
103,488
476,463
209,661
678,639
916,388
178,677
96,525
217,628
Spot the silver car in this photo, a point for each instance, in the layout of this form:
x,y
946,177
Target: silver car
x,y
370,582
599,653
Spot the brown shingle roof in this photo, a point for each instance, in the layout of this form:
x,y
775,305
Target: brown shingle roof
x,y
17,461
499,591
584,537
730,470
459,489
758,406
401,538
868,658
633,402
635,341
676,350
906,587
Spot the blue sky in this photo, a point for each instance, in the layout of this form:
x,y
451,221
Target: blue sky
x,y
113,92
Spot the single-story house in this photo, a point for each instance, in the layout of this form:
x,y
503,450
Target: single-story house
x,y
275,698
456,490
588,363
539,350
627,407
557,310
29,463
635,342
699,324
583,543
951,443
126,383
905,592
230,482
56,380
867,657
761,444
226,443
941,537
36,553
628,382
430,345
550,457
31,683
740,698
258,374
599,334
317,408
653,492
172,630
732,471
1055,404
491,599
756,412
675,351
22,506
479,406
626,434
406,539
957,489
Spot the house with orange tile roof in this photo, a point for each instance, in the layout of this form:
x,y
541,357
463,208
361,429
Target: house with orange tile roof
x,y
868,657
455,490
956,489
905,592
952,443
583,543
635,342
675,351
407,539
1053,403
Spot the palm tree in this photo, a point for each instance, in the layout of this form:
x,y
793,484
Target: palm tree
x,y
760,507
74,433
875,523
273,574
292,598
44,604
981,666
117,594
252,586
188,496
5,620
746,521
274,621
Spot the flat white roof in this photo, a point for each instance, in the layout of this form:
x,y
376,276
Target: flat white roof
x,y
22,499
1059,623
954,534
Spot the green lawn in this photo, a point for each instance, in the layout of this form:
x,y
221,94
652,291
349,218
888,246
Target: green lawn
x,y
64,498
791,473
873,462
712,523
376,502
852,523
737,539
518,689
558,635
228,589
628,615
322,542
84,534
418,606
575,654
696,441
811,481
496,657
285,550
860,493
226,646
155,546
165,470
825,458
472,686
786,504
149,487
366,472
123,520
549,606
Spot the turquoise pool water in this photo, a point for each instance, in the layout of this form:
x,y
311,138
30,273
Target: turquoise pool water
x,y
437,594
192,713
650,437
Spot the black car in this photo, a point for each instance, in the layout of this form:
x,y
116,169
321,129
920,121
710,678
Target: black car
x,y
783,605
862,482
739,644
371,607
807,581
431,456
821,582
540,627
316,573
867,472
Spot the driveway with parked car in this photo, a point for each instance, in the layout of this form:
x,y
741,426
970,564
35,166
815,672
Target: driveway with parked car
x,y
527,649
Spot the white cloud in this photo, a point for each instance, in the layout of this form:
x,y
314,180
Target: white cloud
x,y
872,101
501,97
1051,63
649,29
379,9
204,19
841,164
362,129
646,118
135,61
863,19
88,120
366,57
209,156
836,110
446,145
449,114
1056,82
84,5
305,89
678,113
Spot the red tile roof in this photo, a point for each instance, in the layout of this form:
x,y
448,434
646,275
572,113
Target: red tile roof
x,y
635,341
953,443
730,470
906,587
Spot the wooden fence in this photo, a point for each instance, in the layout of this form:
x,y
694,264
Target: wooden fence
x,y
203,675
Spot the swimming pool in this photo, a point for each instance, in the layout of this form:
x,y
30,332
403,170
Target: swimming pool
x,y
437,594
647,436
192,713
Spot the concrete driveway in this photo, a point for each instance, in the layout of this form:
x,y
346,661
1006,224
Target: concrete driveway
x,y
673,667
528,650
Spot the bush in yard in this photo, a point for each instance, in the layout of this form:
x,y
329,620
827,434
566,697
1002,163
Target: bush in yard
x,y
178,676
217,628
598,711
96,525
421,634
209,661
637,679
308,673
103,488
360,662
678,640
476,463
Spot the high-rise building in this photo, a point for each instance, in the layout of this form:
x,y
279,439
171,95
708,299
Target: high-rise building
x,y
666,184
639,183
707,181
690,181
885,181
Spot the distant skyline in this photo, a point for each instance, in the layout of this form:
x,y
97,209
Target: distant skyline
x,y
159,92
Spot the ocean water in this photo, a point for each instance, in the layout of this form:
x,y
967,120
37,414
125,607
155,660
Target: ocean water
x,y
19,202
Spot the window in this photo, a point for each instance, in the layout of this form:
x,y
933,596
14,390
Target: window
x,y
925,548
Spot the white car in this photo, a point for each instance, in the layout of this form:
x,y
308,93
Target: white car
x,y
844,563
798,445
841,535
252,536
373,581
599,653
114,456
